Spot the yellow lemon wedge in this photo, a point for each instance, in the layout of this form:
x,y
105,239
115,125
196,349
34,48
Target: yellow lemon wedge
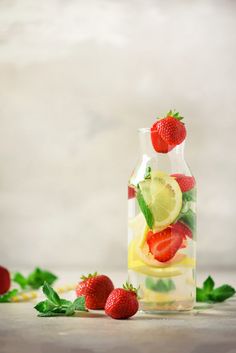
x,y
163,197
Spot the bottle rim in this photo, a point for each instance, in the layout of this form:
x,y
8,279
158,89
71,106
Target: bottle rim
x,y
145,129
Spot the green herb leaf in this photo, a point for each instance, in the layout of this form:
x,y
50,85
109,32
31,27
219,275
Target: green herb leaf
x,y
189,218
6,298
79,304
161,285
20,279
35,279
50,313
209,294
201,295
51,294
208,284
189,195
56,306
148,173
44,306
144,208
221,293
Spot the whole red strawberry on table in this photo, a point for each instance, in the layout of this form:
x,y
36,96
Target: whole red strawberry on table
x,y
122,303
5,280
96,289
99,293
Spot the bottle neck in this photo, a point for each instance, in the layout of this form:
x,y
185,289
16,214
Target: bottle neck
x,y
147,150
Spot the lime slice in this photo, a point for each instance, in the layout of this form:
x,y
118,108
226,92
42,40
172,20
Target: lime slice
x,y
163,197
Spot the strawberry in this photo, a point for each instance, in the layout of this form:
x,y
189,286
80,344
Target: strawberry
x,y
5,280
122,303
96,289
186,183
182,229
131,192
168,132
158,143
164,245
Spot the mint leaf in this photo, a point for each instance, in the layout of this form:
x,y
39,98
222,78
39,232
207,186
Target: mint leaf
x,y
49,314
209,294
201,295
144,208
79,304
148,173
189,195
208,284
222,293
6,298
70,310
50,293
161,285
189,218
37,278
56,306
44,306
20,280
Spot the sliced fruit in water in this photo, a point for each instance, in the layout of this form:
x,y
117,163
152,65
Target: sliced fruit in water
x,y
158,272
164,245
163,197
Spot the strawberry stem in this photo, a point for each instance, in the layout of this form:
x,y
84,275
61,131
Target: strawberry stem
x,y
129,287
90,275
174,114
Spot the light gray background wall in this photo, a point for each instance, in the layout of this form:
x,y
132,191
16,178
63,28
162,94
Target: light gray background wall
x,y
77,78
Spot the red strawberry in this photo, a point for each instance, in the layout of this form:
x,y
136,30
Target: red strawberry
x,y
122,303
149,235
131,192
186,183
158,143
164,245
5,280
96,289
168,132
182,229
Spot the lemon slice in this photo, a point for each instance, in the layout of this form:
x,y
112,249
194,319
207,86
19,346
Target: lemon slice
x,y
163,197
157,272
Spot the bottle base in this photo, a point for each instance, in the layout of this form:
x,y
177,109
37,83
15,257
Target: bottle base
x,y
166,307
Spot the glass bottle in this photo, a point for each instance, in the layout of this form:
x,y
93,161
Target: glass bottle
x,y
162,229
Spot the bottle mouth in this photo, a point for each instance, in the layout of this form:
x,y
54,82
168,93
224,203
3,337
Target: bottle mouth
x,y
144,129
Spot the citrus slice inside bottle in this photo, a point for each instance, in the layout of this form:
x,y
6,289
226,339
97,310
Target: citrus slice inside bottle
x,y
163,197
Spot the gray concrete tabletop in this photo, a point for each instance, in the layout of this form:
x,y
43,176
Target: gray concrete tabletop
x,y
211,329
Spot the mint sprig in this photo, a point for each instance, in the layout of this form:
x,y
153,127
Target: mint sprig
x,y
35,279
56,306
209,294
6,298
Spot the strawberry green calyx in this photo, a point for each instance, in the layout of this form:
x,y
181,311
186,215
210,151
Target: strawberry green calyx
x,y
90,275
130,288
174,114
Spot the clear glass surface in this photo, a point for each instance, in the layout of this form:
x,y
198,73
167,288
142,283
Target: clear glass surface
x,y
164,285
